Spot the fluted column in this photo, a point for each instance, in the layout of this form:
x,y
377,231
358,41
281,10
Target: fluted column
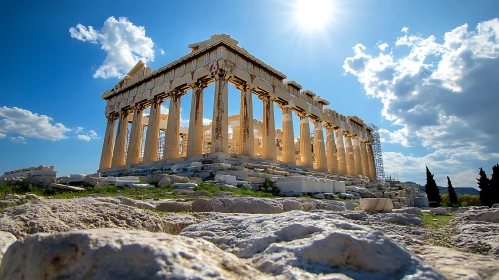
x,y
268,133
305,142
365,164
135,145
172,134
152,136
120,146
246,133
220,127
332,161
357,157
195,139
340,152
288,136
370,161
320,149
108,145
349,156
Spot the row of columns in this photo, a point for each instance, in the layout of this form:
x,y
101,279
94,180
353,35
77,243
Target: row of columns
x,y
345,155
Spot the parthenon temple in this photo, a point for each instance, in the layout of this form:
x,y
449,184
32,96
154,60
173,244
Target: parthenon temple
x,y
145,140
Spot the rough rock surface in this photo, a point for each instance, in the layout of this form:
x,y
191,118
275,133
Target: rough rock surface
x,y
6,239
399,219
134,203
308,245
409,210
459,265
477,230
250,205
56,215
440,211
120,254
175,223
173,206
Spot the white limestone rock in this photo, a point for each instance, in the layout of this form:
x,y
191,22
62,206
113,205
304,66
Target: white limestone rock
x,y
120,254
251,205
6,239
459,265
174,206
56,215
477,230
399,219
440,211
134,203
312,245
164,182
175,223
376,204
409,210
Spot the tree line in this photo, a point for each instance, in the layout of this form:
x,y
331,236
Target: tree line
x,y
489,189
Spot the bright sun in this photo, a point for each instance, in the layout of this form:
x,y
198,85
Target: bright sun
x,y
313,15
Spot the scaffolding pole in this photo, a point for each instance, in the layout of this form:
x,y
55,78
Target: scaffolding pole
x,y
378,154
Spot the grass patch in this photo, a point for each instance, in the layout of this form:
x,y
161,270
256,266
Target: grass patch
x,y
134,193
212,188
441,235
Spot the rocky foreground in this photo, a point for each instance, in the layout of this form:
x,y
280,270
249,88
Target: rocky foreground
x,y
239,238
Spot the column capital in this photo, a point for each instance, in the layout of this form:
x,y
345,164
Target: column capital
x,y
199,84
220,74
139,107
157,100
113,116
316,120
245,86
302,115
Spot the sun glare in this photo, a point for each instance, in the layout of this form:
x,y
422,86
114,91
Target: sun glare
x,y
313,15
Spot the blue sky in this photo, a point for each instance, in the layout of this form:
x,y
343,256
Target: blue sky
x,y
426,94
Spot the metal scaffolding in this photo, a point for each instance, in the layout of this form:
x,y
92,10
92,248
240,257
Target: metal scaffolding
x,y
378,155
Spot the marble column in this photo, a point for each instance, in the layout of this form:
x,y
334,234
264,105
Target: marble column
x,y
370,161
349,156
365,164
171,148
152,135
120,146
305,142
135,146
288,136
220,127
320,149
332,161
246,132
108,145
340,153
195,139
357,157
268,133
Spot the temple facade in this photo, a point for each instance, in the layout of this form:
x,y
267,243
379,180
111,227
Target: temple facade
x,y
134,140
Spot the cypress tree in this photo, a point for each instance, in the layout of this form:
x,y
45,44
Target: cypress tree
x,y
494,184
431,188
483,184
452,192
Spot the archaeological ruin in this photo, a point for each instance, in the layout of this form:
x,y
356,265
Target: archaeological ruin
x,y
346,147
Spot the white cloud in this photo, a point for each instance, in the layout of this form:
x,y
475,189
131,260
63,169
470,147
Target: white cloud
x,y
383,46
161,51
404,29
88,136
78,129
124,43
30,125
206,121
439,95
2,135
18,139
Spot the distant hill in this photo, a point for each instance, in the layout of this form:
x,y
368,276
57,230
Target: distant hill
x,y
462,190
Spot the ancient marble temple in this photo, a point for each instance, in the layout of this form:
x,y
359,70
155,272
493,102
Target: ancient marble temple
x,y
133,140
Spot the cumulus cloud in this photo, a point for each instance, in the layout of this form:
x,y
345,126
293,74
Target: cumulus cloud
x,y
18,139
2,135
30,125
206,121
383,46
161,51
124,43
90,135
442,94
